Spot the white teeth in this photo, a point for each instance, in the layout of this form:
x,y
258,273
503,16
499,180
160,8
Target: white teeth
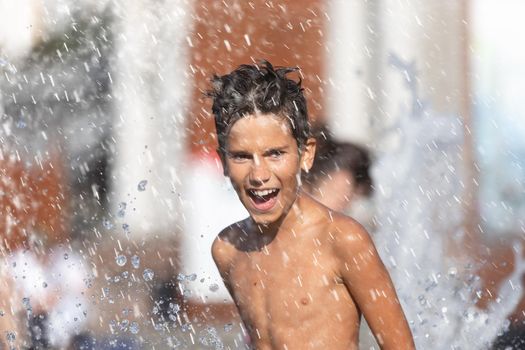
x,y
263,192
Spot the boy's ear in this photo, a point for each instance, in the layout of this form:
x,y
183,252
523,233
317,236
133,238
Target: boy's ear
x,y
308,154
222,156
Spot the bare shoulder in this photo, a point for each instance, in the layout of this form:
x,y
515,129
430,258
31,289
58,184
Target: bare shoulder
x,y
224,249
349,236
356,256
344,232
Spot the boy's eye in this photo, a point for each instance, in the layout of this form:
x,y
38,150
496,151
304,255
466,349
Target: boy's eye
x,y
275,153
239,156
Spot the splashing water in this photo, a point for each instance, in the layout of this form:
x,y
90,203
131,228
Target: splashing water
x,y
10,337
182,277
121,260
418,206
228,327
108,225
135,261
122,209
148,274
134,327
142,185
209,338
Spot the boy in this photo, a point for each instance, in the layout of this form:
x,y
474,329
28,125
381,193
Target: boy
x,y
299,273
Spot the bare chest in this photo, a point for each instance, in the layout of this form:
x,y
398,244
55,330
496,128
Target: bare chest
x,y
286,287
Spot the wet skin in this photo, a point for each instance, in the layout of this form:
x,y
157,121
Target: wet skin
x,y
299,273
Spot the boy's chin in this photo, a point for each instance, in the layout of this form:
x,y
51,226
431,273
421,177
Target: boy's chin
x,y
263,220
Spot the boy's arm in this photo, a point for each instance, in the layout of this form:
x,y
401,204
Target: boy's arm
x,y
371,288
223,255
222,258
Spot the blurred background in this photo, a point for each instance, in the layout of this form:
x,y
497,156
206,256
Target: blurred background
x,y
111,191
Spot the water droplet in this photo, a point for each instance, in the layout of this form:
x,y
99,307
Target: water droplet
x,y
66,256
44,284
191,277
159,327
174,307
135,261
26,302
209,337
228,327
142,185
134,327
452,272
148,274
214,287
186,293
121,209
123,325
108,225
10,336
121,260
2,313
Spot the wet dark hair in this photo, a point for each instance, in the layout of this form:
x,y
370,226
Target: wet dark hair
x,y
258,88
332,155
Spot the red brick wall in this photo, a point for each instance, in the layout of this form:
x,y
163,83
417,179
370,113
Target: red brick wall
x,y
32,199
287,33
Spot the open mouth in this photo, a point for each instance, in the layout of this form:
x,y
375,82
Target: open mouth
x,y
263,199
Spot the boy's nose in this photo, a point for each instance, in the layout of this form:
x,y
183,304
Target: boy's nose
x,y
259,173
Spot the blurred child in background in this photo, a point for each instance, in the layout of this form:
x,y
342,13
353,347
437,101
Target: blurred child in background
x,y
340,178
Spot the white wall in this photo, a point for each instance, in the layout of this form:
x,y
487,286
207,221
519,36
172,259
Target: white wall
x,y
151,90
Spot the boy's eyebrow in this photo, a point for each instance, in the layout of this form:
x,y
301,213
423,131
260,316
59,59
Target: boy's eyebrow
x,y
237,153
279,148
273,149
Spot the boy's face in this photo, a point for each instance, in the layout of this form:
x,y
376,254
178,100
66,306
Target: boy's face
x,y
263,163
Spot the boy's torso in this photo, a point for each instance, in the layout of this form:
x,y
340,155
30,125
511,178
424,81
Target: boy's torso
x,y
289,292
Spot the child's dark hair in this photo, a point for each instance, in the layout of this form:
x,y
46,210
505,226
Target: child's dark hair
x,y
332,155
258,88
